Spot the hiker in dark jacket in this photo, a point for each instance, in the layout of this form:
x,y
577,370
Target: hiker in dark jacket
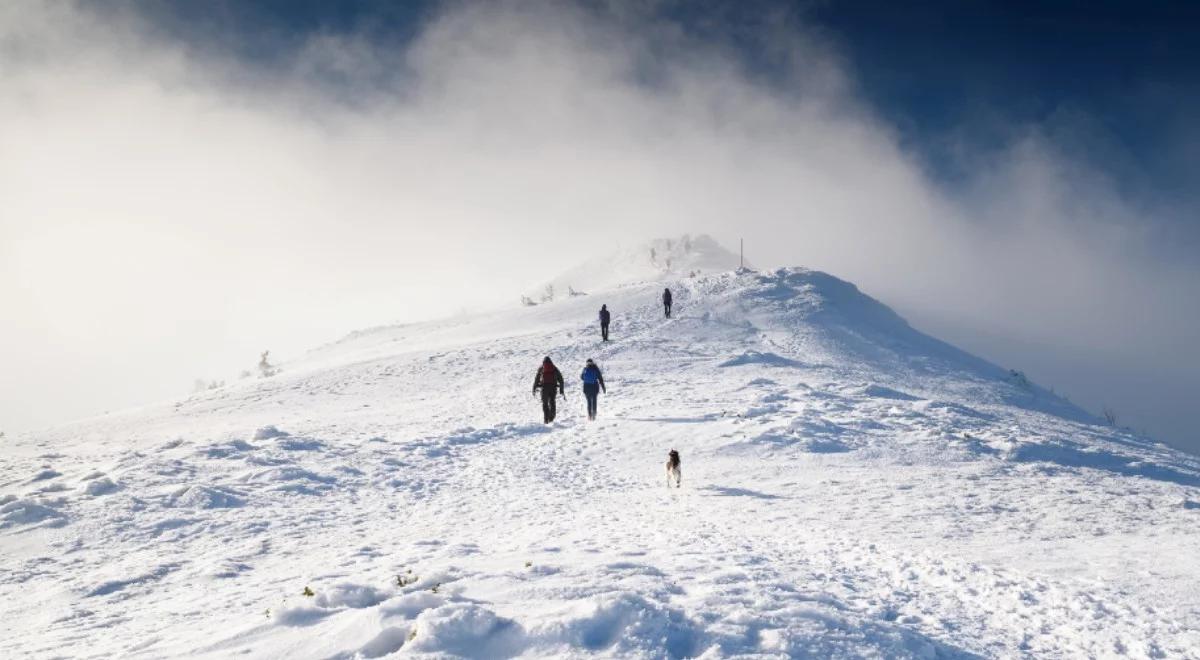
x,y
667,302
548,378
605,317
593,382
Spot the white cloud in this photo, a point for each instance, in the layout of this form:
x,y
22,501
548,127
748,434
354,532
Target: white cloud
x,y
168,213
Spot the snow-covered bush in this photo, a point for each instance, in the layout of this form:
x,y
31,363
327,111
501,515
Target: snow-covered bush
x,y
265,368
406,579
1110,416
201,385
1019,379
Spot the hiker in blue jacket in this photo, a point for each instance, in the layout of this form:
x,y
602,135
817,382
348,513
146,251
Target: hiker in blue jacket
x,y
593,383
605,317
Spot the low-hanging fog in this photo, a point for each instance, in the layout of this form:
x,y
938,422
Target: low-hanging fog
x,y
168,211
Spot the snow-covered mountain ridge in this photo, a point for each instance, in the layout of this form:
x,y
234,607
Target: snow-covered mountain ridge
x,y
851,488
657,260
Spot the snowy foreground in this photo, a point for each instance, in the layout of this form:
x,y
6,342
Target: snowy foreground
x,y
851,488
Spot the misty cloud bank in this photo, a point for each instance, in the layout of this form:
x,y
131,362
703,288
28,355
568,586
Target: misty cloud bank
x,y
168,211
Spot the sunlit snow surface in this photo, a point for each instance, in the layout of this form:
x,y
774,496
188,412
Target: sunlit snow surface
x,y
851,488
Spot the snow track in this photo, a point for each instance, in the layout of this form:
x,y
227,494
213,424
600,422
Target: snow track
x,y
851,488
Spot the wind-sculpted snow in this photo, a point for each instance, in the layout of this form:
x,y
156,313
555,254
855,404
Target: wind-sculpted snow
x,y
851,488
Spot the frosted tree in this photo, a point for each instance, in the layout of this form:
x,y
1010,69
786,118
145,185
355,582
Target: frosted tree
x,y
548,294
527,301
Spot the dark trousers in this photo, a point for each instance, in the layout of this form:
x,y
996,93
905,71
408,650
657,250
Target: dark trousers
x,y
667,309
548,403
591,391
604,331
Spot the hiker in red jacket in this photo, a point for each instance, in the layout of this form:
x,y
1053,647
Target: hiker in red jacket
x,y
548,378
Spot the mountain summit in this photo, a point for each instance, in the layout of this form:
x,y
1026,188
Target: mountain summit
x,y
851,488
653,261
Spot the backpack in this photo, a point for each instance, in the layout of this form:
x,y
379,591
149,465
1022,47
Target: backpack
x,y
591,375
549,375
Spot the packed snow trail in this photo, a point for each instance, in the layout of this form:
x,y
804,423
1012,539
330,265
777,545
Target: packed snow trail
x,y
851,488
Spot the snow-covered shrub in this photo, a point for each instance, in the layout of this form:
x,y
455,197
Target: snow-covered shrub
x,y
1110,416
527,301
1019,379
201,385
406,579
265,368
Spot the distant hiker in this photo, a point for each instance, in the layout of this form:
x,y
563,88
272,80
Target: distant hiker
x,y
667,302
605,317
549,378
593,383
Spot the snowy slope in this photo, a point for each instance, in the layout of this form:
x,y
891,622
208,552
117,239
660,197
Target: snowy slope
x,y
654,261
851,488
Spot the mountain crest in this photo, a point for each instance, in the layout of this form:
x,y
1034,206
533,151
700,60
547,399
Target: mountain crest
x,y
655,260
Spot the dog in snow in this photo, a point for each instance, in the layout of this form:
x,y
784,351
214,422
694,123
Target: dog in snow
x,y
674,472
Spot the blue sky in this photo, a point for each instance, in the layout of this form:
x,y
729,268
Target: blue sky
x,y
973,69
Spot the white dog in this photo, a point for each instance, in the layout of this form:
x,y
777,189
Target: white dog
x,y
674,472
